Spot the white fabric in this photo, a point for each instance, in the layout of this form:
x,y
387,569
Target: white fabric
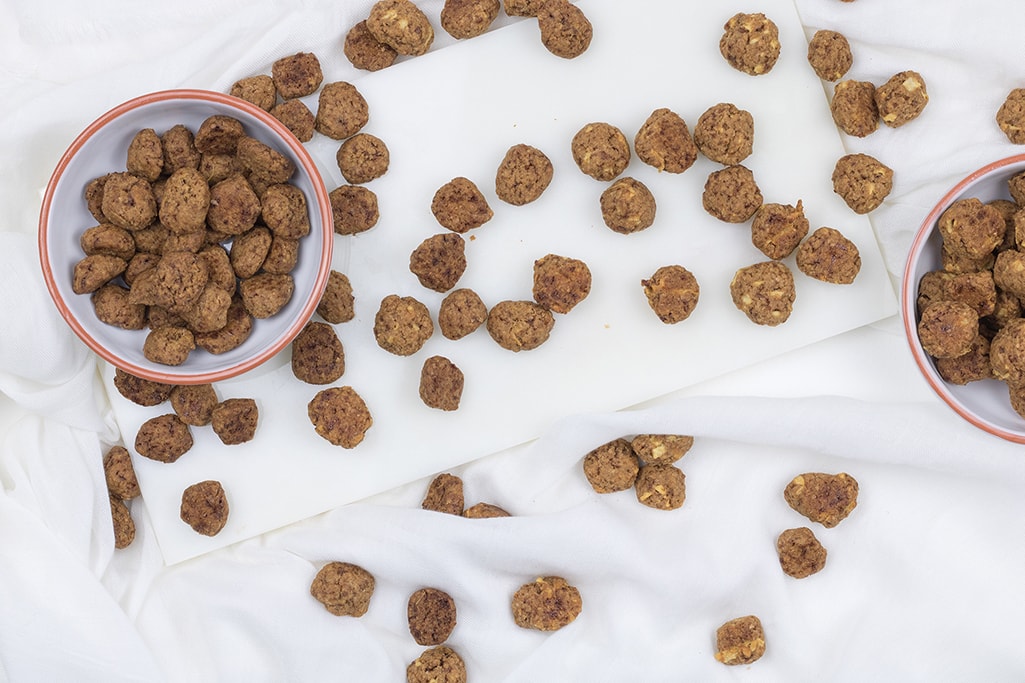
x,y
922,579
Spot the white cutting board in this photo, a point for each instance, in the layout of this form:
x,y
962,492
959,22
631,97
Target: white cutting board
x,y
454,112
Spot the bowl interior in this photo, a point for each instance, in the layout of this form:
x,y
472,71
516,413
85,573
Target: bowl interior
x,y
102,148
983,403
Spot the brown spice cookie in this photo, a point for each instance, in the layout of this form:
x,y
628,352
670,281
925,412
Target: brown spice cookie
x,y
128,201
204,507
777,229
145,155
353,209
523,175
829,54
862,181
94,271
402,26
236,330
283,255
180,151
1010,116
750,43
264,163
627,206
366,52
460,206
800,553
112,306
468,18
565,30
1009,272
823,498
337,304
600,150
672,293
664,142
341,110
444,494
764,292
169,345
234,206
120,474
1007,353
218,134
340,415
431,615
439,261
297,118
661,448
971,228
164,438
317,354
249,250
611,467
441,383
661,486
124,525
731,194
362,158
461,312
234,420
902,98
485,511
560,282
108,239
740,641
402,325
343,588
854,107
829,256
546,604
141,391
972,366
265,294
284,211
439,664
194,403
258,90
297,75
519,325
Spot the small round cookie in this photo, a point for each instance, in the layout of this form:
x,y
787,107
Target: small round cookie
x,y
284,211
186,199
1007,353
460,206
902,98
565,30
204,507
777,229
297,118
524,173
96,270
444,494
128,201
343,588
546,604
145,155
1010,116
194,403
560,282
439,664
265,164
402,26
829,256
340,416
218,134
740,641
977,289
258,90
248,252
441,383
439,261
179,144
823,498
468,18
169,345
297,75
1009,272
800,553
750,43
664,142
485,511
317,354
236,330
764,292
362,158
854,107
862,181
108,239
234,420
210,313
402,325
627,206
661,486
265,294
829,54
971,228
112,306
124,525
600,150
972,366
119,474
731,194
672,293
234,206
661,448
431,616
353,209
612,467
337,304
519,325
341,109
461,312
141,391
366,52
163,438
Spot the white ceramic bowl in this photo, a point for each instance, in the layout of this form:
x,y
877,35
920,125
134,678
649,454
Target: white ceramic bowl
x,y
102,148
984,403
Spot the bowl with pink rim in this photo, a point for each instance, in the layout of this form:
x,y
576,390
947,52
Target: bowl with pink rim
x,y
101,149
983,403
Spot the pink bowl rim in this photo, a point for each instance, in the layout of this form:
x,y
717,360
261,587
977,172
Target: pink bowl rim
x,y
909,288
323,205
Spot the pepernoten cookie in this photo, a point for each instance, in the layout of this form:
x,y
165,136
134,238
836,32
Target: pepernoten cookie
x,y
612,467
800,553
523,175
362,158
546,604
366,52
519,325
824,498
119,473
463,19
440,664
317,354
862,181
337,304
204,507
194,403
740,641
731,194
124,525
402,325
560,282
672,293
1010,117
902,98
234,420
341,110
163,438
431,615
664,142
661,486
297,75
828,256
829,54
565,30
340,416
441,383
777,229
354,209
750,43
461,312
439,261
444,494
343,588
141,391
764,292
401,25
854,107
460,206
600,150
947,329
628,206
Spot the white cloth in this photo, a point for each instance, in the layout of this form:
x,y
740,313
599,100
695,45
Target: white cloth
x,y
921,581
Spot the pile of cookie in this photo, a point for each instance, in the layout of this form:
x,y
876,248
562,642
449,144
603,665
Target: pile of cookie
x,y
645,463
